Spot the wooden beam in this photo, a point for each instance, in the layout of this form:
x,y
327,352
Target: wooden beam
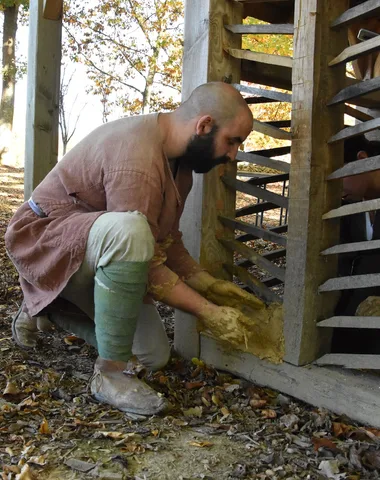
x,y
283,29
255,258
44,65
368,9
260,160
349,132
281,177
266,74
370,100
352,247
310,195
270,94
205,60
53,9
352,208
278,60
356,168
355,91
352,281
349,360
247,238
271,131
258,232
356,113
257,192
257,208
355,51
350,322
257,287
273,152
335,389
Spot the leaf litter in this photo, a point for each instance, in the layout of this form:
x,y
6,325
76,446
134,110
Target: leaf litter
x,y
219,427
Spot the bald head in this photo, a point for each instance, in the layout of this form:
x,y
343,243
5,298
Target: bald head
x,y
217,99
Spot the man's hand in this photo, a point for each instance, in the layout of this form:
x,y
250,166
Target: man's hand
x,y
227,324
223,292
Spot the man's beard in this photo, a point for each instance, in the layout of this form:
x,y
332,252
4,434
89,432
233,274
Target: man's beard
x,y
200,153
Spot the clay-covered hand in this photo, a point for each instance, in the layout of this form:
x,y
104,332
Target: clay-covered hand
x,y
223,292
227,324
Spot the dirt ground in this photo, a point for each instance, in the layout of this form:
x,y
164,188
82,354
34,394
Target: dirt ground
x,y
219,427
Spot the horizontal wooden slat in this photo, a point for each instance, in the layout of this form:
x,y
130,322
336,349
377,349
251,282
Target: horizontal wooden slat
x,y
255,258
253,229
282,29
353,281
352,208
355,51
350,360
358,114
357,90
257,100
274,255
257,208
356,130
350,322
256,191
282,177
355,168
257,72
370,100
261,92
271,131
272,282
365,10
248,237
352,247
272,152
279,60
257,287
261,160
280,123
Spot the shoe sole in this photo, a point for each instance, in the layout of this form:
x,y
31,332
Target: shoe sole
x,y
100,399
14,332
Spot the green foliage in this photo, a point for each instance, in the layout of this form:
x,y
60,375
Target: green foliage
x,y
11,3
132,50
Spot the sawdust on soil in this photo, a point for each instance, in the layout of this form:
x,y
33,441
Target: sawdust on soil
x,y
219,427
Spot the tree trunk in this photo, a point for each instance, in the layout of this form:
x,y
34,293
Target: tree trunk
x,y
8,77
149,82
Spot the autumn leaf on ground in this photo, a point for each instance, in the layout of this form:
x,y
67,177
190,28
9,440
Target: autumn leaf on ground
x,y
201,444
268,413
44,427
323,442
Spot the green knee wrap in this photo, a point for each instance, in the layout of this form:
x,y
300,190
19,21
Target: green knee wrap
x,y
119,291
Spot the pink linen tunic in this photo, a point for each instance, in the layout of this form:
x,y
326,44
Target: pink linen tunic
x,y
118,167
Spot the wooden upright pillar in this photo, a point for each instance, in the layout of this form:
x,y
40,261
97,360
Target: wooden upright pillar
x,y
205,60
313,123
44,63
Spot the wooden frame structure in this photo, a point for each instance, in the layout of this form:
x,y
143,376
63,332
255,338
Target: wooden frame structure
x,y
319,89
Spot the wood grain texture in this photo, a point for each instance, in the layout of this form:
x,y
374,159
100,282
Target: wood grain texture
x,y
355,51
313,123
335,389
270,94
354,91
355,168
352,208
279,60
44,65
349,132
284,29
365,10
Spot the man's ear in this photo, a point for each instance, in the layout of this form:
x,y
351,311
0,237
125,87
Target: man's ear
x,y
362,154
204,125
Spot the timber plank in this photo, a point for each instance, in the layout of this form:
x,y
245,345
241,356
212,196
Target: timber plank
x,y
256,191
52,9
355,168
332,388
370,100
257,287
352,208
271,59
351,360
282,177
272,152
283,29
350,322
352,281
352,247
270,94
270,130
246,238
349,132
261,160
256,208
355,51
276,76
256,100
365,10
357,90
255,258
253,229
358,114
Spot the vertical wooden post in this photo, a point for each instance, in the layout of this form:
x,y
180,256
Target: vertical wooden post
x,y
44,64
205,61
314,83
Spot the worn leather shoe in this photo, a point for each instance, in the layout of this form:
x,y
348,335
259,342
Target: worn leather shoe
x,y
126,392
25,328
